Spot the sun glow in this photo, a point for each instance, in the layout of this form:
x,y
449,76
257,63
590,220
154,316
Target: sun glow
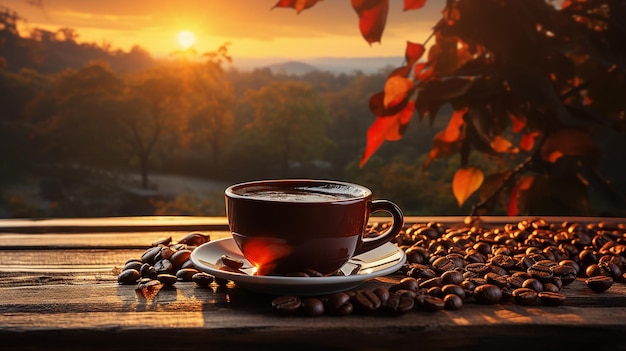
x,y
186,39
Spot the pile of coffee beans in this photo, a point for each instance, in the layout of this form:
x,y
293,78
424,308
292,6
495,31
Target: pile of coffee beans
x,y
164,263
523,263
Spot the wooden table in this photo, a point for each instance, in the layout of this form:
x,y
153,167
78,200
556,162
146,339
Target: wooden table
x,y
59,290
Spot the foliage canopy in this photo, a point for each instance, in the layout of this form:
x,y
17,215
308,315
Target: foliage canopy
x,y
534,84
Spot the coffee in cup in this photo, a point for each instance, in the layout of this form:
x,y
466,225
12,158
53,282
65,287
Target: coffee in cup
x,y
290,226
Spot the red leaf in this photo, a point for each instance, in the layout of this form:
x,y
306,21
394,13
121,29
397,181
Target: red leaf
x,y
413,52
466,181
528,141
413,4
298,5
372,18
387,128
522,185
518,123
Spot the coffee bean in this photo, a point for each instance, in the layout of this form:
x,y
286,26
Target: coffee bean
x,y
399,303
599,283
453,289
488,294
179,257
147,271
133,264
552,298
202,279
382,293
167,279
163,266
232,262
451,277
186,274
287,304
432,303
534,284
367,301
149,255
195,239
427,284
312,307
128,276
452,302
336,302
163,242
524,296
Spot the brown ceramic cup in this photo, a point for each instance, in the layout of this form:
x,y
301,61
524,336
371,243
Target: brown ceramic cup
x,y
290,226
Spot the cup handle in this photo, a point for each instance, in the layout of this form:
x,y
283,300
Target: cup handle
x,y
390,233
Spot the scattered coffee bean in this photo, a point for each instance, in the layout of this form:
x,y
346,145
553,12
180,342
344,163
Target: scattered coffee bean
x,y
452,302
128,276
232,262
202,279
167,279
599,283
551,298
488,294
312,307
524,296
286,304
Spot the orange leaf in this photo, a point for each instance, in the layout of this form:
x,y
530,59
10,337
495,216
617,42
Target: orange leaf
x,y
453,130
413,4
500,144
466,181
396,90
386,128
372,18
568,141
298,5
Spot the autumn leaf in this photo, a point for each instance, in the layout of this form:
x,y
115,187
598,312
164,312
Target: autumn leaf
x,y
528,141
413,52
372,18
500,144
518,123
568,141
298,5
466,181
522,185
396,90
413,4
453,130
386,128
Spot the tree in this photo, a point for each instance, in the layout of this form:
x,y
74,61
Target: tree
x,y
532,85
155,115
74,119
291,121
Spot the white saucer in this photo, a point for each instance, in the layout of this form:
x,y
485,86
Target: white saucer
x,y
384,260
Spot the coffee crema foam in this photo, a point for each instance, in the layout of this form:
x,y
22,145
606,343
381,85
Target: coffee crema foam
x,y
299,194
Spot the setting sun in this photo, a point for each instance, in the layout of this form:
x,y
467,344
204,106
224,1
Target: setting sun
x,y
186,39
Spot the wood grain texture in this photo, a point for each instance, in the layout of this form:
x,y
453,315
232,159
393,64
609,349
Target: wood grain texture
x,y
59,291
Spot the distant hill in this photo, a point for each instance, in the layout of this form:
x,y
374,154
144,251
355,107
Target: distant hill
x,y
292,67
331,64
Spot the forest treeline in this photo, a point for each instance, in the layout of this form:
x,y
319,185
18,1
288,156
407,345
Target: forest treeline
x,y
78,119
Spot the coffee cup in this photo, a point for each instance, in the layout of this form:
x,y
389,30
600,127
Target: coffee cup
x,y
294,226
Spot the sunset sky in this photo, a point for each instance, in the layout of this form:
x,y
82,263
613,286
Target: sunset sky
x,y
254,29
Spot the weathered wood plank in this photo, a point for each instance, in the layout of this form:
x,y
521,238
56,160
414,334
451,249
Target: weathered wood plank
x,y
118,224
102,240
